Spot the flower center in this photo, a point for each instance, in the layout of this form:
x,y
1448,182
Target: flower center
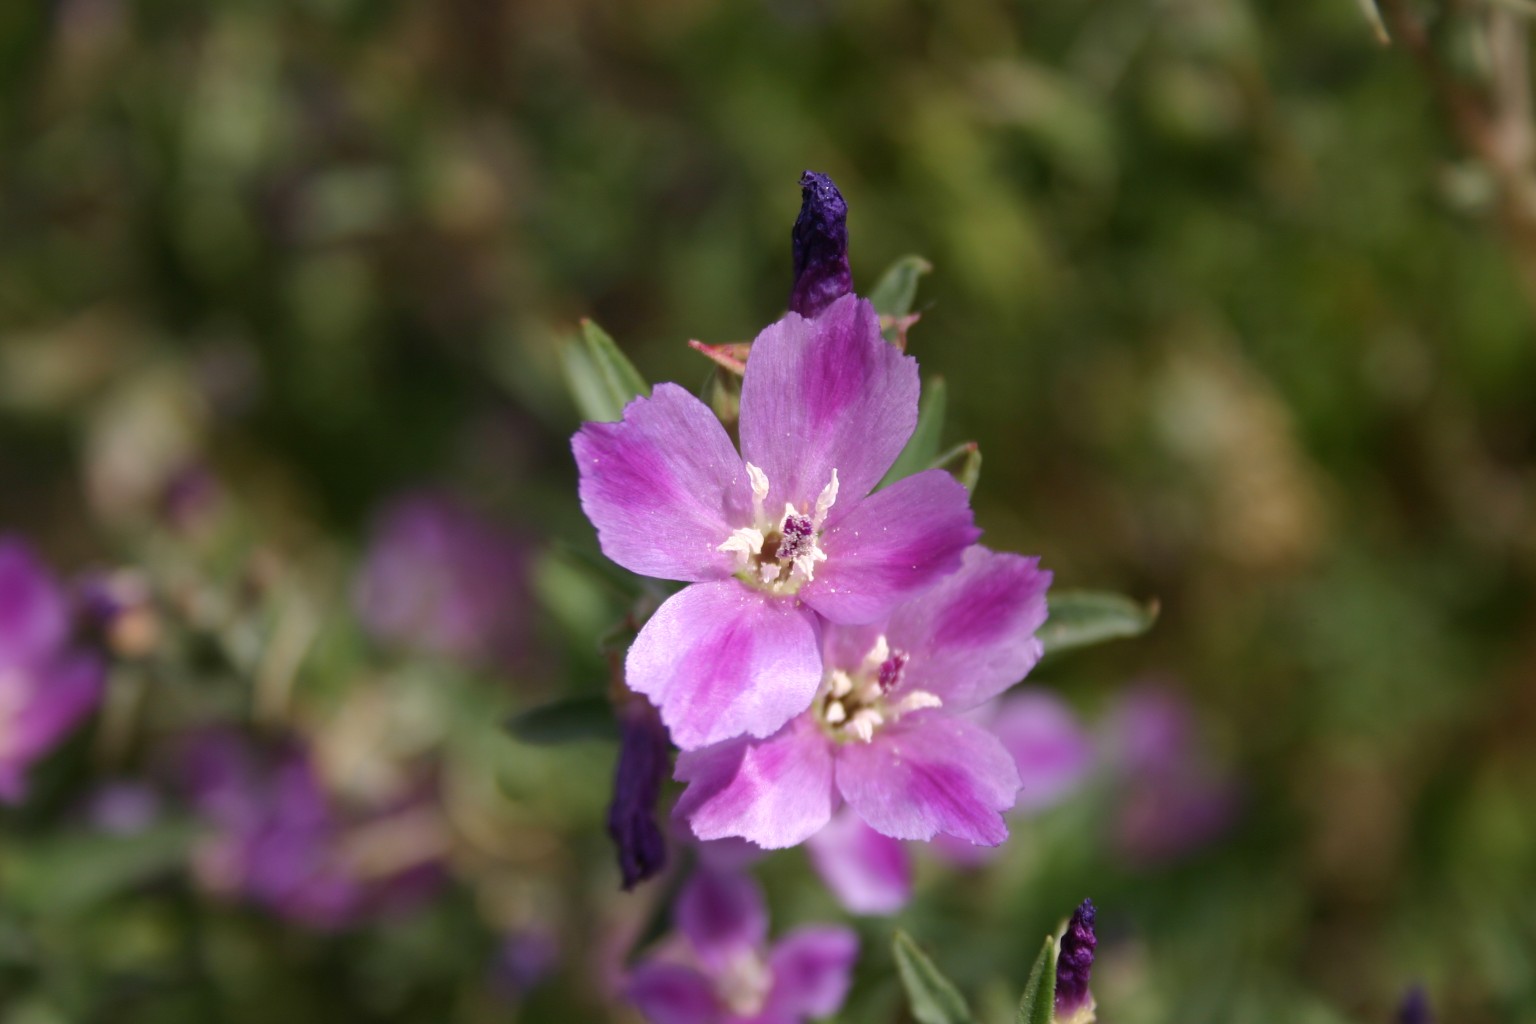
x,y
853,705
744,984
779,553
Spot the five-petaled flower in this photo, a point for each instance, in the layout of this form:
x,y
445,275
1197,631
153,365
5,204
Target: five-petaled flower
x,y
885,731
46,685
779,537
723,972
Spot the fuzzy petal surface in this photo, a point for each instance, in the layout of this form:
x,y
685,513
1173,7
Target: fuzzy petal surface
x,y
823,394
812,969
720,660
930,773
972,635
868,872
672,994
664,487
776,792
723,915
891,547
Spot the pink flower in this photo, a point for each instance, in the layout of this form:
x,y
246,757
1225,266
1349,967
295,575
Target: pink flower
x,y
723,972
778,537
885,732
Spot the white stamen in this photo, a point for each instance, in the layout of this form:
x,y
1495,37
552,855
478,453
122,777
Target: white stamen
x,y
836,713
825,501
879,653
805,564
768,572
759,487
917,700
863,723
744,543
840,683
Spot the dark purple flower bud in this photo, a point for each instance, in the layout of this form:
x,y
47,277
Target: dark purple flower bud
x,y
1074,964
820,244
1414,1009
644,761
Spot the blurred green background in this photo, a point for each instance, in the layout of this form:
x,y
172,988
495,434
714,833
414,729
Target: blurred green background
x,y
1234,320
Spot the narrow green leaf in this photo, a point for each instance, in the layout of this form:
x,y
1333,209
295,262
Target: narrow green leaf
x,y
896,290
1039,1003
1373,18
964,461
601,379
565,721
923,446
932,997
1079,618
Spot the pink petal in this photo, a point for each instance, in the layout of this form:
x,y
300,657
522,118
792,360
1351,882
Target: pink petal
x,y
723,915
721,660
972,635
65,693
812,969
1048,743
869,873
930,773
664,487
34,616
775,792
824,394
672,994
891,547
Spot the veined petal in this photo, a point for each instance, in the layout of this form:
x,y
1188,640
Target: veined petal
x,y
868,872
812,969
823,394
34,616
721,660
672,994
776,792
722,914
664,487
972,635
892,546
929,773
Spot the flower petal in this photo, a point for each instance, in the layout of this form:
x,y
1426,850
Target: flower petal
x,y
892,546
973,634
823,394
812,969
929,773
720,660
34,617
672,994
1052,750
723,915
868,872
775,792
664,487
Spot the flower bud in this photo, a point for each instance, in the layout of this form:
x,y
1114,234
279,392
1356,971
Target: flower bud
x,y
643,763
820,245
1074,964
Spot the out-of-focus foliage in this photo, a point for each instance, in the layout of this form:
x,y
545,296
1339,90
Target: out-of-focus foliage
x,y
1238,322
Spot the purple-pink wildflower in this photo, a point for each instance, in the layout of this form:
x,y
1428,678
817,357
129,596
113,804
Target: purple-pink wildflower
x,y
778,535
1074,967
868,872
724,972
885,732
47,686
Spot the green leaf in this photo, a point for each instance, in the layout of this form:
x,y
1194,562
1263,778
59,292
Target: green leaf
x,y
68,875
1039,1003
1079,618
964,461
932,997
1373,18
923,446
565,721
896,291
601,379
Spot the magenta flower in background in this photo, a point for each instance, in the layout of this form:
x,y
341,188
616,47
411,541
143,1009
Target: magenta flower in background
x,y
1074,968
281,841
723,971
441,579
773,537
868,872
886,732
46,686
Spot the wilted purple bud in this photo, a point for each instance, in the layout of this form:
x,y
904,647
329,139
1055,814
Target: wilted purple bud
x,y
644,760
1074,964
820,244
1414,1009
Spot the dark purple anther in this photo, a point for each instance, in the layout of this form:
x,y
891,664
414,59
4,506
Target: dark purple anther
x,y
1414,1009
796,531
820,245
890,671
1074,964
643,763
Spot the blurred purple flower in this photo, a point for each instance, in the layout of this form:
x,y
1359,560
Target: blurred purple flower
x,y
819,245
644,757
1052,750
868,873
1414,1009
1172,798
439,578
1074,966
523,960
886,732
773,537
191,498
123,808
46,686
725,973
279,839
